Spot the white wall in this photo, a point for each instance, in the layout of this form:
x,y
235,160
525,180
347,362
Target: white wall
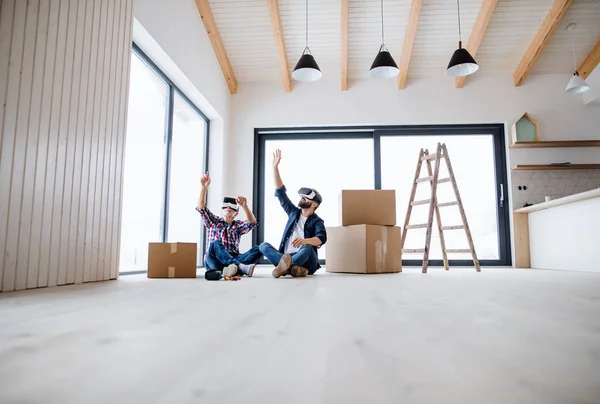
x,y
484,99
566,237
593,95
64,76
172,34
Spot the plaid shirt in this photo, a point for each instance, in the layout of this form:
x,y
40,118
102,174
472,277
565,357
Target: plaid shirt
x,y
228,234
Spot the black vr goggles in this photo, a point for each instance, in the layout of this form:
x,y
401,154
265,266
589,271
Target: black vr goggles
x,y
230,203
310,194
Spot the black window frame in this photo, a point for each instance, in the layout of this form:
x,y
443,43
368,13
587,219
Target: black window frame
x,y
168,140
497,130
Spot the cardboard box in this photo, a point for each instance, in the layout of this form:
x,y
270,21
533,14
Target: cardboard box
x,y
377,207
172,260
363,249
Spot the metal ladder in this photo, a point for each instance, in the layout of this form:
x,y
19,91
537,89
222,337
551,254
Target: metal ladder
x,y
434,206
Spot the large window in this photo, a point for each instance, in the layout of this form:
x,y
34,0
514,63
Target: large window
x,y
144,166
475,177
386,158
346,164
187,166
165,156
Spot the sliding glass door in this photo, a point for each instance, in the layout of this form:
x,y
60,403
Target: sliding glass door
x,y
473,158
333,159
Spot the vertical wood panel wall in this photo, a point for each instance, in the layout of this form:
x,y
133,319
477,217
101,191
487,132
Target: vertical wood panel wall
x,y
64,77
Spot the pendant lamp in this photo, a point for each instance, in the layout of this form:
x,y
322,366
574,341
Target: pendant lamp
x,y
306,69
383,66
461,63
577,84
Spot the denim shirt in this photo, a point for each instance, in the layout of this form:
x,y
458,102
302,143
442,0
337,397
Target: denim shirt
x,y
314,226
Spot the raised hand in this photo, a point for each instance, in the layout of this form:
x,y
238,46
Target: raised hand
x,y
276,158
241,201
205,180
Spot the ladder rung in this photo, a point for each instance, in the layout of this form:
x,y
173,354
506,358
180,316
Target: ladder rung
x,y
441,205
430,178
458,250
443,180
417,226
432,156
423,202
413,250
457,227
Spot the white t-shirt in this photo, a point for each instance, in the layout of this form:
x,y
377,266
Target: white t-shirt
x,y
298,233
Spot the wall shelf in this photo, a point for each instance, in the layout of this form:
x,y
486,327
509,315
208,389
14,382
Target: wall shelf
x,y
552,167
557,143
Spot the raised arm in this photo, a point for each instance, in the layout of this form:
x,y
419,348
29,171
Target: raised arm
x,y
276,175
204,182
244,204
210,220
280,191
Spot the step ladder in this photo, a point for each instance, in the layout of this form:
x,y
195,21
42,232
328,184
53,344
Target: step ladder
x,y
433,179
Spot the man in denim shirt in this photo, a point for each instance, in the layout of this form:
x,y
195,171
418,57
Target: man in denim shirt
x,y
303,234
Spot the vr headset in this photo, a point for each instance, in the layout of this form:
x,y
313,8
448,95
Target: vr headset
x,y
310,194
230,203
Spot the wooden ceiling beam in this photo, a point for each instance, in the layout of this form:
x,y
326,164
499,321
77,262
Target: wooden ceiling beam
x,y
409,41
280,43
551,22
217,44
345,16
481,23
590,62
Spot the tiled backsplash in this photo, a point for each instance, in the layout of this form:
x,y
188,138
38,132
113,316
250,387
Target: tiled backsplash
x,y
553,183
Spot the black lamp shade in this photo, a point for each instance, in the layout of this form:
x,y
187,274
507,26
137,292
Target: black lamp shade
x,y
461,63
383,66
307,69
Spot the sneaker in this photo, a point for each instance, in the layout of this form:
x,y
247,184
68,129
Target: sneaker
x,y
230,270
247,269
298,271
284,265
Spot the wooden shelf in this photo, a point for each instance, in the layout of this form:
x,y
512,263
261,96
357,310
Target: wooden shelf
x,y
557,143
550,167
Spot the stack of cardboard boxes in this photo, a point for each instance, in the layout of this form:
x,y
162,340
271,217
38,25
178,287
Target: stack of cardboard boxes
x,y
368,242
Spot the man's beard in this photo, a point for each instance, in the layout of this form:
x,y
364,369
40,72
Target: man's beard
x,y
305,204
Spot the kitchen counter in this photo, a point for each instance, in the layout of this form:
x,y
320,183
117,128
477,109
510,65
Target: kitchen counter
x,y
559,234
582,196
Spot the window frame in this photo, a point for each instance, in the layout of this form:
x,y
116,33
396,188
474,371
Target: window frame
x,y
497,130
168,140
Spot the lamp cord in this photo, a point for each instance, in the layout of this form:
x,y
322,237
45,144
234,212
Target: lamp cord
x,y
574,63
459,31
307,23
382,37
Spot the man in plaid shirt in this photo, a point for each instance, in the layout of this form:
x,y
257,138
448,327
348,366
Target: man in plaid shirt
x,y
222,253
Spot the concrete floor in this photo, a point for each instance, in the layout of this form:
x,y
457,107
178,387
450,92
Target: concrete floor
x,y
499,336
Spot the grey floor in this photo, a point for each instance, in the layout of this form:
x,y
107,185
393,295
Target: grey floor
x,y
499,336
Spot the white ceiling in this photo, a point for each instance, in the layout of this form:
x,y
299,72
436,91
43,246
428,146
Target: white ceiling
x,y
247,34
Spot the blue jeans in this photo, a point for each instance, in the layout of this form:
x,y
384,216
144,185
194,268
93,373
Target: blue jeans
x,y
304,257
217,257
